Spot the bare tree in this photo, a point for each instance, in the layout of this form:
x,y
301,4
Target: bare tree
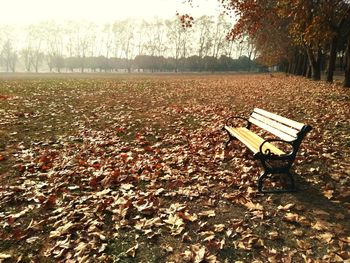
x,y
8,53
125,46
176,40
218,36
54,45
155,32
32,53
203,27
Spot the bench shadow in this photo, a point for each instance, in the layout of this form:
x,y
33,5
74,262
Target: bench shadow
x,y
312,197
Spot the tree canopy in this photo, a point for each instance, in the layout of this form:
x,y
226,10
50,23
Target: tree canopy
x,y
298,34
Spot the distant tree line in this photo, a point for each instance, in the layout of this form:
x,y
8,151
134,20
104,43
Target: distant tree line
x,y
128,45
146,63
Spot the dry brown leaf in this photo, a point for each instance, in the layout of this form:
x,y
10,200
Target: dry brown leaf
x,y
208,213
287,207
298,232
325,237
207,235
13,217
273,235
4,256
292,217
199,253
328,193
304,245
81,248
61,230
131,252
174,220
322,225
251,206
345,239
188,217
219,228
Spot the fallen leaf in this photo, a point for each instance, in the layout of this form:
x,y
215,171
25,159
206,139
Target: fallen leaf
x,y
61,230
31,240
251,206
5,256
304,245
325,237
219,228
132,251
208,213
328,193
287,207
188,217
345,239
321,225
273,235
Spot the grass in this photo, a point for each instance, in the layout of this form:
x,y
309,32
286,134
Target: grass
x,y
64,139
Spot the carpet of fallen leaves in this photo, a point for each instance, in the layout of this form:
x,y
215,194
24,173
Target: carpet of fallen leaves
x,y
131,168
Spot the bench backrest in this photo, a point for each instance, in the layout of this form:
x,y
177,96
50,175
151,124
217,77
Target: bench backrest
x,y
282,127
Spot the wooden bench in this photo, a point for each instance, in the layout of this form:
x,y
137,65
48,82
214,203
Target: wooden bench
x,y
274,159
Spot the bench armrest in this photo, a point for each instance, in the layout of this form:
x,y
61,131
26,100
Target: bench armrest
x,y
267,153
237,117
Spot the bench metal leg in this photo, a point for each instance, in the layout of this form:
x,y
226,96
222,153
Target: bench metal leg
x,y
261,180
271,169
268,172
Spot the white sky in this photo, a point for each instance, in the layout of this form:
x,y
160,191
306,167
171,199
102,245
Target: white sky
x,y
21,12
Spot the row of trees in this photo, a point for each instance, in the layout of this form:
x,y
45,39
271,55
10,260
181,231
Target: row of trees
x,y
146,63
54,46
299,35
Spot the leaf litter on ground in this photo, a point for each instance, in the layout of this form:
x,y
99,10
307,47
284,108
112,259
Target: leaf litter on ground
x,y
87,164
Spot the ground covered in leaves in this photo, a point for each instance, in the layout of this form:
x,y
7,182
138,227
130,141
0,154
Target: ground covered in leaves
x,y
131,168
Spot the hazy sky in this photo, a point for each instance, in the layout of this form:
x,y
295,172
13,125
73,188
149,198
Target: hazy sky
x,y
100,11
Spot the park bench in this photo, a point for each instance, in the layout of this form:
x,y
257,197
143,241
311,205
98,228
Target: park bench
x,y
276,154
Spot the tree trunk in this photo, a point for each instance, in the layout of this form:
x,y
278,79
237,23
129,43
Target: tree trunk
x,y
296,63
315,64
308,71
346,83
347,65
290,67
332,59
300,65
305,66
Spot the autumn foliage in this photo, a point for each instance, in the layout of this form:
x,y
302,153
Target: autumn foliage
x,y
306,31
298,35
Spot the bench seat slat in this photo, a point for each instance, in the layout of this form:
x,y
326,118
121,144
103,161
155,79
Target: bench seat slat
x,y
239,134
291,123
252,140
282,127
258,141
271,129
